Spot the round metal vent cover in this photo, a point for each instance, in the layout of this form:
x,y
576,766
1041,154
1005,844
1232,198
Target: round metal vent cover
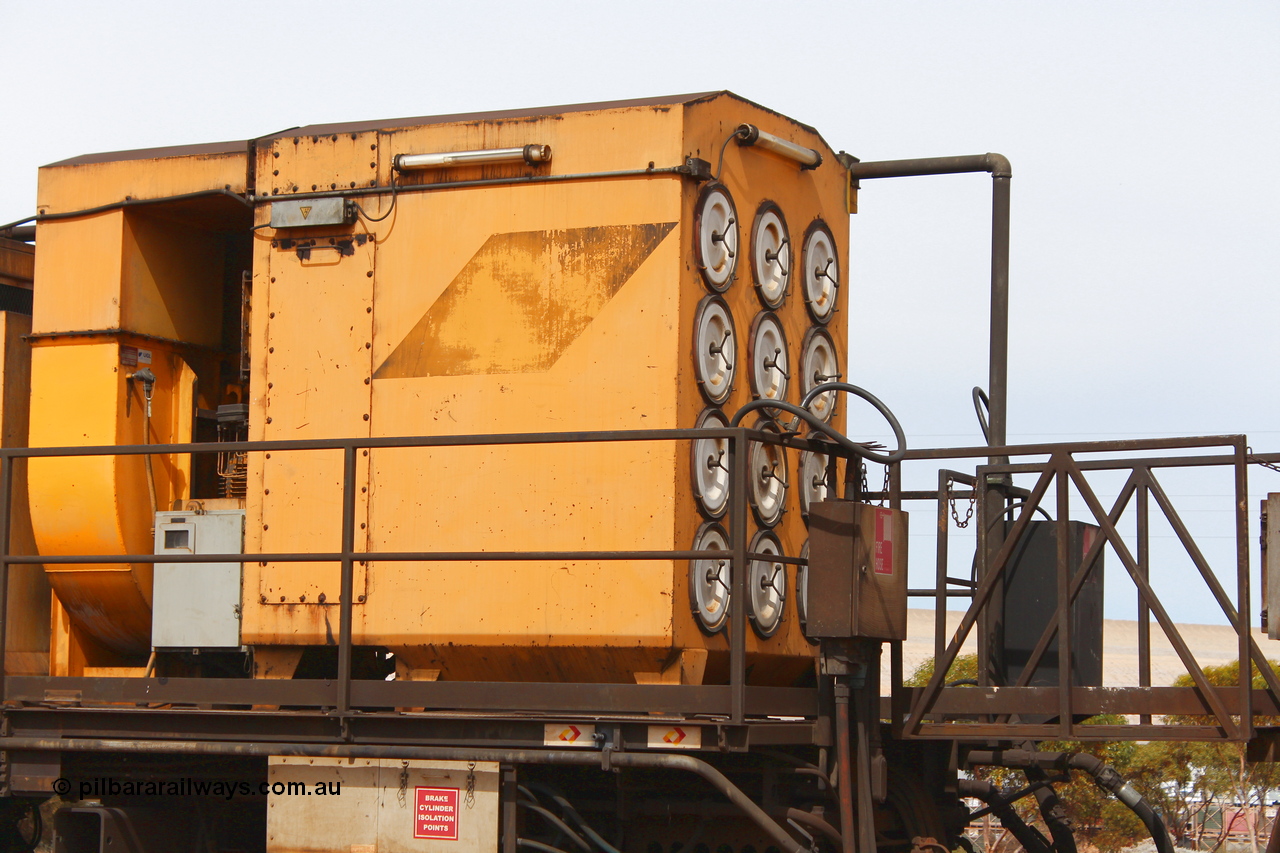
x,y
768,357
714,349
819,364
766,585
767,474
814,483
716,225
802,591
711,466
770,255
709,579
821,272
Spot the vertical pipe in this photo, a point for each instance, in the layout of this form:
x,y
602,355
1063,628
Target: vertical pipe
x,y
1144,612
998,406
510,793
865,713
739,451
1242,585
844,762
348,572
989,618
998,375
1064,602
940,576
6,495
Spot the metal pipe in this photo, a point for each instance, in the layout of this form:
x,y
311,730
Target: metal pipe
x,y
6,494
844,761
739,452
685,170
1001,174
686,763
139,202
748,135
529,154
347,583
21,233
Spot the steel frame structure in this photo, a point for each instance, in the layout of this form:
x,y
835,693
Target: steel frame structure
x,y
347,710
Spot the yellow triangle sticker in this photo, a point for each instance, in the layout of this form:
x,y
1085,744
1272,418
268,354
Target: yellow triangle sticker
x,y
306,211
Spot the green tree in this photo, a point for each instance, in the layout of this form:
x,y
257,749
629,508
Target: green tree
x,y
1220,770
1097,817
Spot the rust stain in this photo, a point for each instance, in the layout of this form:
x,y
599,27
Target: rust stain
x,y
521,300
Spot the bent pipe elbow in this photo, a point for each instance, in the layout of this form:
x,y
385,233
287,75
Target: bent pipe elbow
x,y
997,164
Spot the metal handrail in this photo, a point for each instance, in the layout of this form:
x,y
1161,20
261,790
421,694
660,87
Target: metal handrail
x,y
738,439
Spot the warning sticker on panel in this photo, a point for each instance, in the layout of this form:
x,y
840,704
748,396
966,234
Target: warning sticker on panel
x,y
675,737
882,558
435,813
568,734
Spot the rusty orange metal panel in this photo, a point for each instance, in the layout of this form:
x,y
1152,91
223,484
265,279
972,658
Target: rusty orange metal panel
x,y
171,279
314,336
17,263
79,186
27,625
81,395
79,269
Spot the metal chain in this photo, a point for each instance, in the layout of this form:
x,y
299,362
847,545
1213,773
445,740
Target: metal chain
x,y
404,783
1256,461
470,798
866,490
955,514
884,491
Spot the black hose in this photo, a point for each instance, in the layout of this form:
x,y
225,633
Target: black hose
x,y
538,845
981,405
570,812
1029,837
557,823
1106,778
812,820
819,425
1052,810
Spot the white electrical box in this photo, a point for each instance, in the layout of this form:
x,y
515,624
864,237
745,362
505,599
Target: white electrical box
x,y
197,605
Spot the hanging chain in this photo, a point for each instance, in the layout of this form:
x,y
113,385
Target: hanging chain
x,y
865,489
955,514
404,783
884,490
470,797
1255,460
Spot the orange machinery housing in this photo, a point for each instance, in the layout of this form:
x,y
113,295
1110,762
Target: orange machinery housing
x,y
636,265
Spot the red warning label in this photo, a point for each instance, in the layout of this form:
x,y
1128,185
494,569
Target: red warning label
x,y
882,559
435,813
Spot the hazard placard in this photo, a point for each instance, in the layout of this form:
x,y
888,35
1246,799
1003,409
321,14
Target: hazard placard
x,y
435,813
675,737
569,734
